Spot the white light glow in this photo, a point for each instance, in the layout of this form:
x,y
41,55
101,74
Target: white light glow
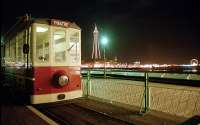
x,y
104,40
194,64
41,29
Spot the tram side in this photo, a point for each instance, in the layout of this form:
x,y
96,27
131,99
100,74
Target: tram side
x,y
42,60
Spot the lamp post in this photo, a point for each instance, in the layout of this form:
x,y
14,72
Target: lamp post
x,y
104,42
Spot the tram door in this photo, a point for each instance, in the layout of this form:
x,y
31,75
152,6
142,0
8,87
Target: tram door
x,y
59,47
74,47
42,45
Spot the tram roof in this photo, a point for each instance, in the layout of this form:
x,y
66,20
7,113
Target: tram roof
x,y
24,22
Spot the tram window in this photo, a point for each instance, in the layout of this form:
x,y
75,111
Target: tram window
x,y
74,47
12,50
7,50
42,43
6,53
19,48
3,55
59,45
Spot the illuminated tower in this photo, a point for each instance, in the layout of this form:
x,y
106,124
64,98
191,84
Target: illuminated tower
x,y
96,51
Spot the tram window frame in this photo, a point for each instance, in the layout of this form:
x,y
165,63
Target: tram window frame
x,y
3,55
74,52
62,44
13,50
7,53
37,43
19,48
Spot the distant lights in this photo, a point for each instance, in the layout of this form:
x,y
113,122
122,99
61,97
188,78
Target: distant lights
x,y
142,66
146,66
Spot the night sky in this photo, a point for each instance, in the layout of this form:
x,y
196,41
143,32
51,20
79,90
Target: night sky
x,y
152,31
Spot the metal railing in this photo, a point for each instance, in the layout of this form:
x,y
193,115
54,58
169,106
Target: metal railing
x,y
132,88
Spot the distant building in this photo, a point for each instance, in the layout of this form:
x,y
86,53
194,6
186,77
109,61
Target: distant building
x,y
136,62
95,50
115,59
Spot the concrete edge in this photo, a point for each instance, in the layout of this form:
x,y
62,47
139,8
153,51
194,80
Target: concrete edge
x,y
42,116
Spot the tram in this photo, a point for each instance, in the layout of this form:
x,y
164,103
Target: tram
x,y
41,59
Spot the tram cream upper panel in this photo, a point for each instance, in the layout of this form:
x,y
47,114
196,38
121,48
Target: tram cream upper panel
x,y
56,46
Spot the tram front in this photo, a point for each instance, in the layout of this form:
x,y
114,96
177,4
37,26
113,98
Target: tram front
x,y
56,61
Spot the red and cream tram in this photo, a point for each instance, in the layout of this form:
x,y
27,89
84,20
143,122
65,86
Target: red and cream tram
x,y
42,59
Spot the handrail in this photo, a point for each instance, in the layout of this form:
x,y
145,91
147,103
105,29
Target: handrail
x,y
167,78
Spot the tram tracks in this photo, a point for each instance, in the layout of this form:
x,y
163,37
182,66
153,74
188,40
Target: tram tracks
x,y
74,114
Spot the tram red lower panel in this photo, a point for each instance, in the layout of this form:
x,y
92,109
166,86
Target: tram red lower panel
x,y
43,83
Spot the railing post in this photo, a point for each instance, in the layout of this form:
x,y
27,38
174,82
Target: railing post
x,y
146,91
145,99
87,83
104,72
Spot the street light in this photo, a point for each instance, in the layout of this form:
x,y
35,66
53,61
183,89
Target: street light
x,y
104,42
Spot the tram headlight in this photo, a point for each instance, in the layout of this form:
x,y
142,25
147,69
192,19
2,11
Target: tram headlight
x,y
60,79
63,80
